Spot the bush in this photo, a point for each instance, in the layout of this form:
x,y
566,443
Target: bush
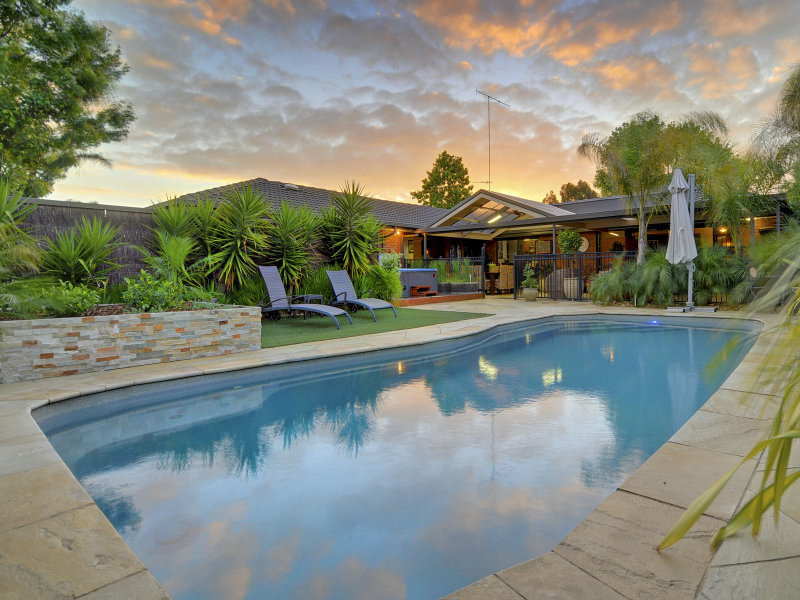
x,y
383,283
82,254
569,241
70,300
146,294
530,278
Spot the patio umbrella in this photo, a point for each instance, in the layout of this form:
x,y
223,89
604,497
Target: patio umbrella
x,y
681,247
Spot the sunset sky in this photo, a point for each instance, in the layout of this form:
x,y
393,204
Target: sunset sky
x,y
315,92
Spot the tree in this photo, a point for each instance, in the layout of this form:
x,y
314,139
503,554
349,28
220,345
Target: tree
x,y
58,73
637,158
550,198
446,184
576,191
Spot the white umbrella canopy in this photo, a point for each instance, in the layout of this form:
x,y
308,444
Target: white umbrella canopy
x,y
680,247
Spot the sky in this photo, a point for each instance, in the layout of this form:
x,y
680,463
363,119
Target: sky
x,y
317,92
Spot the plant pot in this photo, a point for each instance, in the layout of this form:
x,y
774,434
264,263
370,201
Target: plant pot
x,y
530,294
572,288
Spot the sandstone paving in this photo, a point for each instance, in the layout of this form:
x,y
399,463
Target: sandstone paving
x,y
488,588
25,453
616,544
66,544
141,586
743,404
779,579
721,433
550,576
38,494
677,474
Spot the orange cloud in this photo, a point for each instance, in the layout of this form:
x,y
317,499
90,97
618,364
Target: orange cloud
x,y
728,17
636,72
159,63
720,73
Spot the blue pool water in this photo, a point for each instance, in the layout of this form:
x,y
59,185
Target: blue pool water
x,y
391,475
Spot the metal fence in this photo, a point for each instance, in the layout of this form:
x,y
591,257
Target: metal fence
x,y
565,276
468,269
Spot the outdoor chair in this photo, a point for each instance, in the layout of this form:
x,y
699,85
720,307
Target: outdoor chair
x,y
344,293
280,301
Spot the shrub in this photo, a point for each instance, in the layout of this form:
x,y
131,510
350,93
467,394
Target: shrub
x,y
530,278
316,281
146,294
382,283
569,241
81,254
70,300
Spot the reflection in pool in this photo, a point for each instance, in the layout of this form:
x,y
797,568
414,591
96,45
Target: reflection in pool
x,y
409,478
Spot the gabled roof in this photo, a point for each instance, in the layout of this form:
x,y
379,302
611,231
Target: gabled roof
x,y
392,214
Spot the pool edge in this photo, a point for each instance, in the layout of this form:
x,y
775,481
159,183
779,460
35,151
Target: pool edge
x,y
27,459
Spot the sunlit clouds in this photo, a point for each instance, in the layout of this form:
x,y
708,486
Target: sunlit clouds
x,y
316,93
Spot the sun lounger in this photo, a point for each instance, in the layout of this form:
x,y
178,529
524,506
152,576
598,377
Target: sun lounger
x,y
280,301
344,293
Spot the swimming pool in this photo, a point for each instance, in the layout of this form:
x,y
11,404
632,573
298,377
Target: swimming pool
x,y
389,476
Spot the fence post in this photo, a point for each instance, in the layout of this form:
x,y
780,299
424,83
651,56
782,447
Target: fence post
x,y
483,268
580,276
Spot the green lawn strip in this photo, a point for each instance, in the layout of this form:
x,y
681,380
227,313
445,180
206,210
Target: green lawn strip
x,y
295,330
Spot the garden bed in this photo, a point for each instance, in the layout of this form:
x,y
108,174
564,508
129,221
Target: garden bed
x,y
34,349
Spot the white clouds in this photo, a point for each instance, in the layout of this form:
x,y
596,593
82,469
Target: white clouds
x,y
315,93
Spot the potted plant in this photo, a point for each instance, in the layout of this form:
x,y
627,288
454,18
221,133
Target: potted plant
x,y
569,242
493,268
530,284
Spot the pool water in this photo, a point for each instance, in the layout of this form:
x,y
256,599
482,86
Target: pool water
x,y
408,478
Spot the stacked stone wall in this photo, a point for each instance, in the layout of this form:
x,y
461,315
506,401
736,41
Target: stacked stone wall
x,y
58,347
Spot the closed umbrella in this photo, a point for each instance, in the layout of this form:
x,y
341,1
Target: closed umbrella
x,y
681,247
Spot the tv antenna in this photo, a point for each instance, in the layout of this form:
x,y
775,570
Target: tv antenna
x,y
489,127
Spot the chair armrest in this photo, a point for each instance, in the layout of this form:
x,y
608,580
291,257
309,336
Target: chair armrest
x,y
367,294
336,298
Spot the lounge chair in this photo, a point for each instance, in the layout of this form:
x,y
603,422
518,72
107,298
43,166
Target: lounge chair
x,y
344,293
280,301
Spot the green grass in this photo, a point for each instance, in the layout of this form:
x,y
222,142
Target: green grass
x,y
294,330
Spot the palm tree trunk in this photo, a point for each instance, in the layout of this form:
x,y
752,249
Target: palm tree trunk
x,y
642,246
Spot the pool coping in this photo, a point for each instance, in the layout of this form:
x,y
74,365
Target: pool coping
x,y
47,517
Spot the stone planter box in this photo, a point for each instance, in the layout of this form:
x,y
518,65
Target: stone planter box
x,y
57,347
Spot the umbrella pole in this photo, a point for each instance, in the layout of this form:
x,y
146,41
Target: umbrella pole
x,y
690,264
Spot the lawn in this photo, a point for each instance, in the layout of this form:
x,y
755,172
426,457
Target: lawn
x,y
294,330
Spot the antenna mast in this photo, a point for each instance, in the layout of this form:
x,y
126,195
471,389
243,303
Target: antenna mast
x,y
489,126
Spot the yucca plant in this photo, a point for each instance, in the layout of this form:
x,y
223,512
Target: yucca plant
x,y
238,237
350,231
781,365
82,254
174,217
292,233
611,285
171,258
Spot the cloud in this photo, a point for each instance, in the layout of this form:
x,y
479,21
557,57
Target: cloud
x,y
726,18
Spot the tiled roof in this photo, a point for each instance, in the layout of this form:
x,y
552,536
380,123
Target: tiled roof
x,y
393,214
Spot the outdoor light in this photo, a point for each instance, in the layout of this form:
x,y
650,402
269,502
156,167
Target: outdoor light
x,y
495,218
614,233
723,230
396,231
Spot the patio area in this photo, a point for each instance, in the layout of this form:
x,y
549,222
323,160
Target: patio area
x,y
55,542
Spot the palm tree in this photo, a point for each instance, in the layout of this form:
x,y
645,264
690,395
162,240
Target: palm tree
x,y
637,158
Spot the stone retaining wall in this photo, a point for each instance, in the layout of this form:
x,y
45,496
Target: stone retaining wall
x,y
57,347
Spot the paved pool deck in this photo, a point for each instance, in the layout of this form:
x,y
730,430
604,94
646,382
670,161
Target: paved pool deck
x,y
56,543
